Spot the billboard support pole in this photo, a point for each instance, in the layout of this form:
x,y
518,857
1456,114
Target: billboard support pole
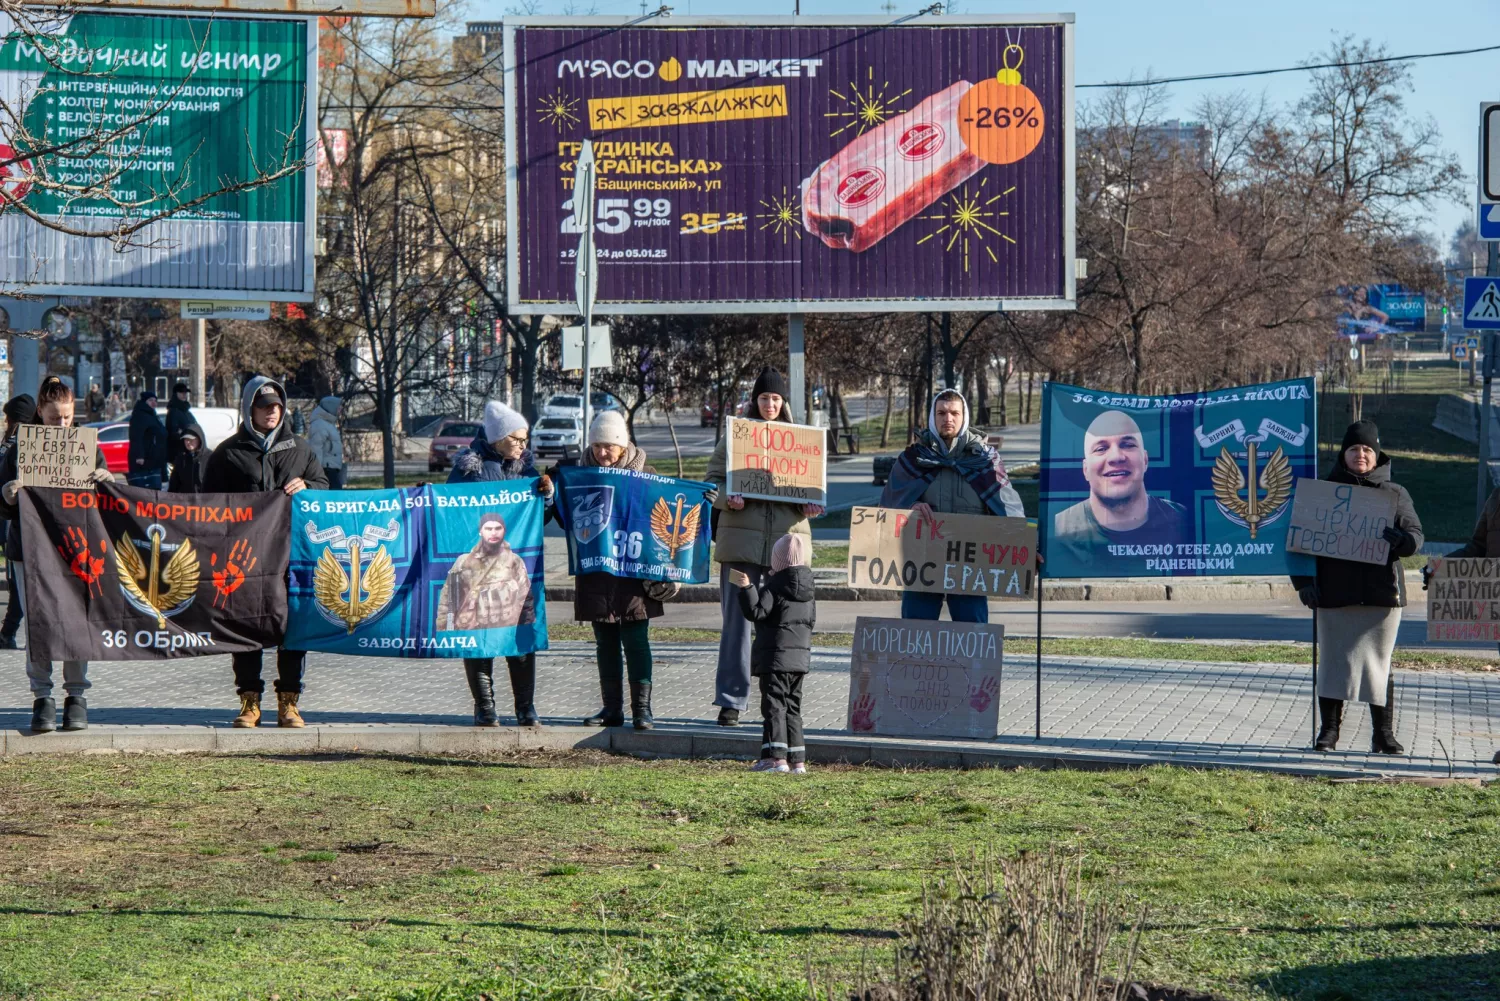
x,y
200,360
1039,652
587,273
796,371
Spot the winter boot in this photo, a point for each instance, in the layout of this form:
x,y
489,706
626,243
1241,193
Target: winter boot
x,y
1332,711
640,705
286,710
613,692
8,641
729,717
1383,727
523,688
481,675
249,716
75,713
44,716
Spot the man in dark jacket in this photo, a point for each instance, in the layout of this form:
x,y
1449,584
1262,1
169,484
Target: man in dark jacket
x,y
148,444
263,455
18,410
784,613
179,419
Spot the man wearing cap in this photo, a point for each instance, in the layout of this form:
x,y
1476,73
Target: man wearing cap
x,y
148,444
179,419
1118,511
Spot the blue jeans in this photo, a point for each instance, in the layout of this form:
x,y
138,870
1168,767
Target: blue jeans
x,y
732,679
961,607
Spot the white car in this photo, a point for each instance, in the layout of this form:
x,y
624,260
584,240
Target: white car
x,y
571,404
557,436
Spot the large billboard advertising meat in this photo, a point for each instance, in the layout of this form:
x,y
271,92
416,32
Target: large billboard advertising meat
x,y
775,165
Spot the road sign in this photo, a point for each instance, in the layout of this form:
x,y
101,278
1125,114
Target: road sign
x,y
586,267
1482,302
1471,343
600,352
1489,171
1460,352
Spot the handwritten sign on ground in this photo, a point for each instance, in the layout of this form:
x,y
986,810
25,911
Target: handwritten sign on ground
x,y
54,456
917,678
1463,599
1341,520
948,553
769,460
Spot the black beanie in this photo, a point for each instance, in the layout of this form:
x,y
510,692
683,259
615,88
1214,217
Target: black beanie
x,y
1361,433
181,387
20,409
769,381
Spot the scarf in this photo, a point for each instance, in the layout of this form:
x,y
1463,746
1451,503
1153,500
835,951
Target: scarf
x,y
973,460
633,459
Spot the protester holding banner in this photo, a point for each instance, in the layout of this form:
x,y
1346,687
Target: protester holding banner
x,y
950,469
747,530
263,455
190,470
148,444
54,409
18,410
1358,605
785,613
500,453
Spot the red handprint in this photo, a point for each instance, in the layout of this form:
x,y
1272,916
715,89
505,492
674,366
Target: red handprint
x,y
85,565
240,561
862,720
982,694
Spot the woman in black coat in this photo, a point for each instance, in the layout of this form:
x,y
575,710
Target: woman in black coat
x,y
1358,605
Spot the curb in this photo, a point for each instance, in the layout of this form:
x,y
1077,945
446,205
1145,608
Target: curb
x,y
669,741
1198,589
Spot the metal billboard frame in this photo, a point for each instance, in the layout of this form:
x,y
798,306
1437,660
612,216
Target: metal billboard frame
x,y
309,195
1069,300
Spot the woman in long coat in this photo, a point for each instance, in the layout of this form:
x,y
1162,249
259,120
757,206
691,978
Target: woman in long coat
x,y
1358,605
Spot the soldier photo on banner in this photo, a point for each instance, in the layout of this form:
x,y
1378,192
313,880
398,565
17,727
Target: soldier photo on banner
x,y
634,524
1193,485
433,571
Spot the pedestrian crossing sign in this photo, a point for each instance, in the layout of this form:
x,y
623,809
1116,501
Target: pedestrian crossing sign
x,y
1482,303
1460,352
1471,343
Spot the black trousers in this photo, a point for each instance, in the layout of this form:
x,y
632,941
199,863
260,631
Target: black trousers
x,y
290,665
781,708
12,623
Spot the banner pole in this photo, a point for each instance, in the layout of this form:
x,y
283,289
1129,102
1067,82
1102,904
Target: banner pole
x,y
1038,653
1315,677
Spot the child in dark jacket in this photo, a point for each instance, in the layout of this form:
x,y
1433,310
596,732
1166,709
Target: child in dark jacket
x,y
191,463
784,613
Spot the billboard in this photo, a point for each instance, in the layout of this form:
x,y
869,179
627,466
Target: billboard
x,y
1372,310
222,94
794,164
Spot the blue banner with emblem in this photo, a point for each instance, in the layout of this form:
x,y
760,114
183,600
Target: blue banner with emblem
x,y
1193,485
434,571
633,524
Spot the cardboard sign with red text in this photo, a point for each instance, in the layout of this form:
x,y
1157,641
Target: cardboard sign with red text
x,y
920,678
947,554
770,460
1463,599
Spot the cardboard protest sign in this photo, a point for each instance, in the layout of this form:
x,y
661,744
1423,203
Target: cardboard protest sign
x,y
769,460
920,678
1463,599
55,456
948,554
1341,520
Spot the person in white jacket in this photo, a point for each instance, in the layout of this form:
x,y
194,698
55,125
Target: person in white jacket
x,y
326,442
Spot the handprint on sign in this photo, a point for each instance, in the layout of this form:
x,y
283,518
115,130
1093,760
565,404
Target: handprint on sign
x,y
240,561
85,565
982,694
862,720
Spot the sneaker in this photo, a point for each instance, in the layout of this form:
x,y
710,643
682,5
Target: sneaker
x,y
729,717
770,765
800,768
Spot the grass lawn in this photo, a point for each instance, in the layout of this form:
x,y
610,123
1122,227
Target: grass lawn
x,y
345,876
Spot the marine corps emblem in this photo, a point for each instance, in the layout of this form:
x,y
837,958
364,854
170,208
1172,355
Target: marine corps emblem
x,y
158,591
592,509
675,526
355,579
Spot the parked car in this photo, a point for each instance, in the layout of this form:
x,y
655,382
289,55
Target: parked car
x,y
571,404
561,436
708,416
452,438
217,423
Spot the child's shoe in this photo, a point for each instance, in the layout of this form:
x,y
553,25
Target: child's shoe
x,y
800,768
770,765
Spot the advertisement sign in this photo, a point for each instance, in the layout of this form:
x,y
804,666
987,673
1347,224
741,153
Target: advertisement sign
x,y
914,678
1372,310
1463,599
772,460
947,554
820,165
223,94
631,524
1341,520
200,309
1193,485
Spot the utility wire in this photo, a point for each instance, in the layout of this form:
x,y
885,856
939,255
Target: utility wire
x,y
1151,82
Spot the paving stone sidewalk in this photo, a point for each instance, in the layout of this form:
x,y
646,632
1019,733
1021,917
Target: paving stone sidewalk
x,y
1094,710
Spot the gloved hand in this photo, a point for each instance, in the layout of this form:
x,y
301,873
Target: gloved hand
x,y
1309,596
544,485
712,496
1394,536
98,476
11,491
1426,576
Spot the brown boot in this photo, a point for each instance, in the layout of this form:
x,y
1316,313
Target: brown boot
x,y
249,716
286,710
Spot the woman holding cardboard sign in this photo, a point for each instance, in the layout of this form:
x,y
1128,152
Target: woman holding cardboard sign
x,y
1358,605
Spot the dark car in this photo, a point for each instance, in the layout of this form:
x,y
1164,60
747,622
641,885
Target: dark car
x,y
452,438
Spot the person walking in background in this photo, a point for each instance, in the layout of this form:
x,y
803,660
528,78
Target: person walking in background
x,y
54,409
179,419
950,469
93,404
191,468
327,444
263,455
746,532
500,453
784,611
1358,605
148,444
18,410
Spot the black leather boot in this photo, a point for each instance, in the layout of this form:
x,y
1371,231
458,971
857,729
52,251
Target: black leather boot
x,y
523,687
640,705
44,716
481,675
613,692
1383,730
75,713
1332,711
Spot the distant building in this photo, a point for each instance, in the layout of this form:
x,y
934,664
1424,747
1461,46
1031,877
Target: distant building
x,y
481,39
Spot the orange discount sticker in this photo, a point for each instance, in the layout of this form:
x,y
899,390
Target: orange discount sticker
x,y
1001,120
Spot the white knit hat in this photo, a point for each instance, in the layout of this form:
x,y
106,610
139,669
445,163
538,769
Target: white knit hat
x,y
609,428
500,422
789,551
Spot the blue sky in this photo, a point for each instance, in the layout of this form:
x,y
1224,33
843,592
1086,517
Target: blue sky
x,y
1118,39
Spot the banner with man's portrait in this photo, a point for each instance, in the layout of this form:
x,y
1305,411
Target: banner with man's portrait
x,y
435,571
1193,485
